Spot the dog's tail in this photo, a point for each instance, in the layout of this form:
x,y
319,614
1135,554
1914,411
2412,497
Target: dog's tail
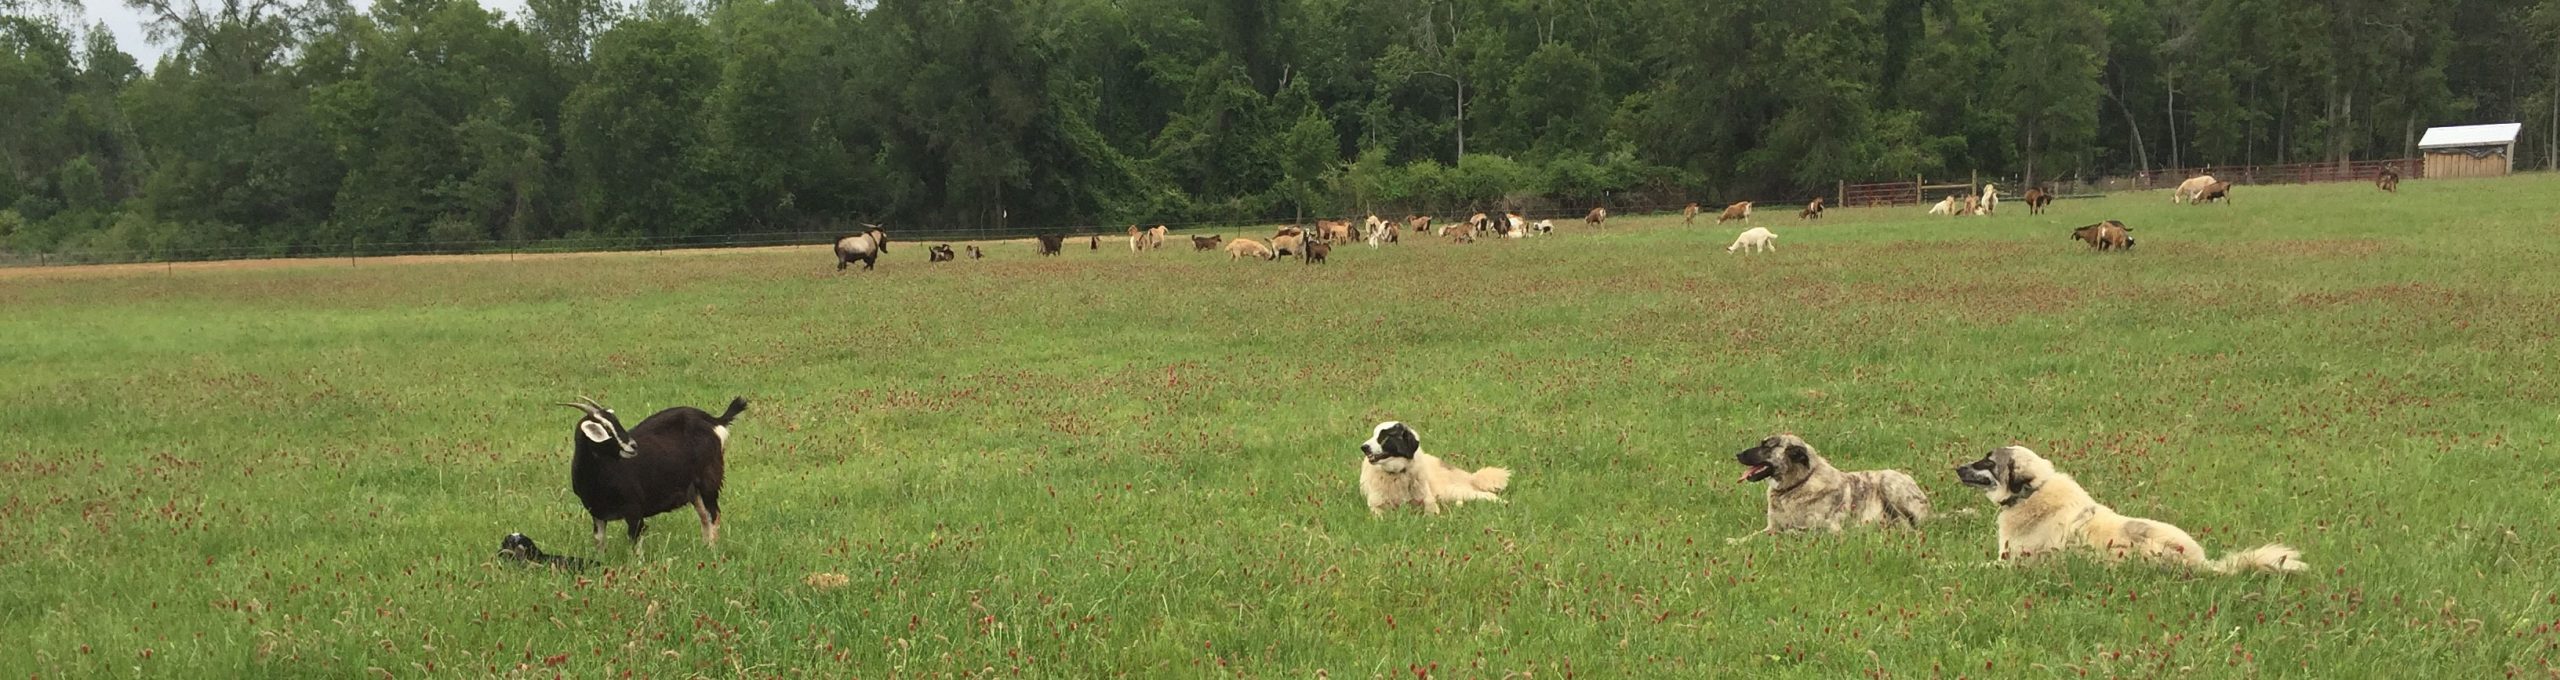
x,y
1490,479
2273,558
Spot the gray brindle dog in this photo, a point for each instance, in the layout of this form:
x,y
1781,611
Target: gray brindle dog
x,y
1806,492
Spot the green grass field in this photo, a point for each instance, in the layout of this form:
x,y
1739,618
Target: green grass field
x,y
1115,464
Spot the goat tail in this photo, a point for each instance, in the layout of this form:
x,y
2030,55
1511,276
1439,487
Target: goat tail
x,y
737,405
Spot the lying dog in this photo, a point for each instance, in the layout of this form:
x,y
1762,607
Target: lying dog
x,y
1805,492
2043,510
520,547
1395,472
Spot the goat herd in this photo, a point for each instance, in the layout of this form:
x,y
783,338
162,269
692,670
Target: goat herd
x,y
1314,244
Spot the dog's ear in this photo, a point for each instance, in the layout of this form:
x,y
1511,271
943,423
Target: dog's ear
x,y
1798,454
1400,441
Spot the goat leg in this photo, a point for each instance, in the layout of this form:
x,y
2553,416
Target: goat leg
x,y
705,508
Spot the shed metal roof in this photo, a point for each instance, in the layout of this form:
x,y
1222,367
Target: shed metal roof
x,y
2470,135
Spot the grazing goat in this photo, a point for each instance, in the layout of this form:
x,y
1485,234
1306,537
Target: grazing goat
x,y
1515,226
866,247
1812,210
673,459
2104,236
1316,251
1244,247
1290,243
1336,232
940,253
1737,211
1209,242
1418,224
1689,215
1755,239
2387,179
2217,191
975,253
2037,199
1598,217
1543,228
1050,244
1145,239
1384,234
2188,190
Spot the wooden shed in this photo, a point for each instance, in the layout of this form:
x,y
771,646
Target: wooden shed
x,y
2470,150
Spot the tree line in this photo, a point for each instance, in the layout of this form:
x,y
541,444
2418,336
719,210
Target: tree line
x,y
271,124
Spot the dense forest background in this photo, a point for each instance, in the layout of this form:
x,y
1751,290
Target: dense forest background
x,y
273,124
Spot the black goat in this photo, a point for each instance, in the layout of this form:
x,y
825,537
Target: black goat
x,y
673,459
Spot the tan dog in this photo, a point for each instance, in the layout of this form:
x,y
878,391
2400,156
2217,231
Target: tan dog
x,y
1245,247
2043,511
1395,472
1806,492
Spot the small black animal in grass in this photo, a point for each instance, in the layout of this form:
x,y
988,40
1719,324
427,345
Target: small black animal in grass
x,y
520,548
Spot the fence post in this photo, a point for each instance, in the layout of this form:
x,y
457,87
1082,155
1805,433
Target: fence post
x,y
1918,198
1842,194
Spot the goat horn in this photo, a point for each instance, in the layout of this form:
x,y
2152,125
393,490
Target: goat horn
x,y
590,406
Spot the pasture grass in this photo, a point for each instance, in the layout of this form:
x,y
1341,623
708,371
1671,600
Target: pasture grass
x,y
1108,464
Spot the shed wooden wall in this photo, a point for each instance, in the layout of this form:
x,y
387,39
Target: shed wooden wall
x,y
2455,163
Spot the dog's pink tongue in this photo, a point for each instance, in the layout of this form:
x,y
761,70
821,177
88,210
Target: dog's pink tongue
x,y
1749,471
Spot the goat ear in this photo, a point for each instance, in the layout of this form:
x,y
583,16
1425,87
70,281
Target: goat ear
x,y
595,431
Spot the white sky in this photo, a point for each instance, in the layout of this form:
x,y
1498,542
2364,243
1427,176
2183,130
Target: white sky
x,y
126,24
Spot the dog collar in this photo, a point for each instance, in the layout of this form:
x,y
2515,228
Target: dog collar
x,y
2013,499
1799,483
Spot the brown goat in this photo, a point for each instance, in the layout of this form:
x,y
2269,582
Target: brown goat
x,y
1689,215
2104,236
1050,244
1737,211
1598,217
1316,251
1209,242
2217,191
2387,179
2036,199
1334,231
1812,210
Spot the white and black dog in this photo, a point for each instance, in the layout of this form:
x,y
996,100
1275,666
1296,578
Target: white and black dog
x,y
1395,472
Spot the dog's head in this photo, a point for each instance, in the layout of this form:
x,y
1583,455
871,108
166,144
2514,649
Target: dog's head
x,y
2006,472
518,546
1783,457
1391,446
